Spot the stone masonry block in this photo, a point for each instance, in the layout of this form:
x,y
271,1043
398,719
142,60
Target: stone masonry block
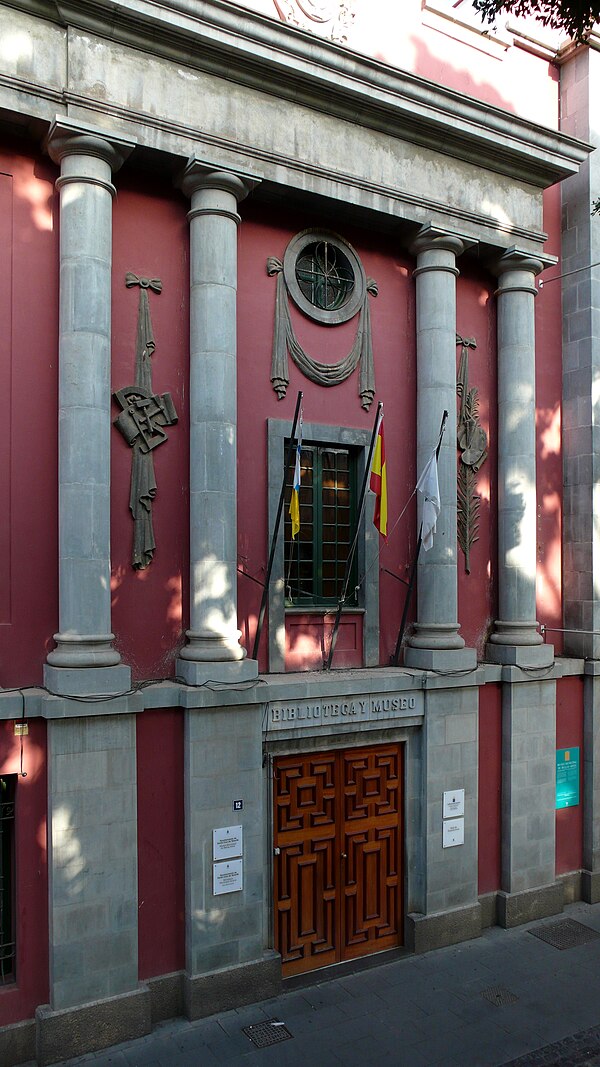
x,y
233,986
97,1025
461,728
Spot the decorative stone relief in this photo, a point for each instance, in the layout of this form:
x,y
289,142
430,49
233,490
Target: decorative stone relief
x,y
472,442
336,17
324,277
143,416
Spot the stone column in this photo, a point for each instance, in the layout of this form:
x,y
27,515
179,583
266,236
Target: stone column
x,y
84,660
516,639
436,642
213,650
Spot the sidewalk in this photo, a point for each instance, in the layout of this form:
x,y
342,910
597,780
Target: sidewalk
x,y
413,1011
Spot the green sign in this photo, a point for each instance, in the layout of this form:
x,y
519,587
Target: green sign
x,y
567,777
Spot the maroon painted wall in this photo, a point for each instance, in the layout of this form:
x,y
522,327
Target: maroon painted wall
x,y
150,238
19,999
392,315
28,427
161,886
490,787
569,734
477,591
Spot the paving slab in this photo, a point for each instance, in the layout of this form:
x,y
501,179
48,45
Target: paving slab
x,y
411,1011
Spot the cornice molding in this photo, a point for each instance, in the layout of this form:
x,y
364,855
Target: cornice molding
x,y
217,37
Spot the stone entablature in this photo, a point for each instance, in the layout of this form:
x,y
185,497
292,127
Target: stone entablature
x,y
368,145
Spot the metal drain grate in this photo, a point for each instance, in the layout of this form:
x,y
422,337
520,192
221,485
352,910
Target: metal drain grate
x,y
264,1034
497,994
566,933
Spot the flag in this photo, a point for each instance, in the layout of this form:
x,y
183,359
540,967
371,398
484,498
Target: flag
x,y
428,485
378,482
295,498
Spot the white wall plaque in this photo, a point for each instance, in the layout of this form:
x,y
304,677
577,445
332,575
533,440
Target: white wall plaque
x,y
227,842
227,877
453,833
453,804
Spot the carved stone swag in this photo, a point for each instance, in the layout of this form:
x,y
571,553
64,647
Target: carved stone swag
x,y
325,374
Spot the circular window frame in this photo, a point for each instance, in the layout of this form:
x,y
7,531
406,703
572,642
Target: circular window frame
x,y
295,249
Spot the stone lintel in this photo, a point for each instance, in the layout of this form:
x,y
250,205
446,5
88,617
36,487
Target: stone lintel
x,y
232,987
426,932
90,1027
517,908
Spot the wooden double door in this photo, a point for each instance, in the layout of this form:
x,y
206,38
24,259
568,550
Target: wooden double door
x,y
338,850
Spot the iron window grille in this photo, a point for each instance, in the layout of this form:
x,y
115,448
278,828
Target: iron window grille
x,y
315,560
7,879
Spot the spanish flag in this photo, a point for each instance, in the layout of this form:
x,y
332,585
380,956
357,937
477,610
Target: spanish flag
x,y
295,498
378,482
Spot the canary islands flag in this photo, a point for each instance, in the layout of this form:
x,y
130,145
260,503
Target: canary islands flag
x,y
378,482
295,499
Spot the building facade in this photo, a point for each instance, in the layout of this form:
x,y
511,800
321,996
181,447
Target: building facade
x,y
207,209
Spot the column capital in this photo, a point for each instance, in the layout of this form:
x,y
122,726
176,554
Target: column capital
x,y
67,137
516,259
432,238
199,174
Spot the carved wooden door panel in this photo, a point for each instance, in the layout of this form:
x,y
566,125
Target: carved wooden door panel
x,y
371,850
337,822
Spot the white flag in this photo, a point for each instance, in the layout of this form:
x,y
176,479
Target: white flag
x,y
428,485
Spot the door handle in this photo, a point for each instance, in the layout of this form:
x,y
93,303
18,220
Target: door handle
x,y
344,855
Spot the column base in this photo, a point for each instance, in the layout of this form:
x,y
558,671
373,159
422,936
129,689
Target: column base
x,y
436,635
520,655
517,632
426,932
232,987
440,659
84,650
200,672
517,908
87,681
91,1027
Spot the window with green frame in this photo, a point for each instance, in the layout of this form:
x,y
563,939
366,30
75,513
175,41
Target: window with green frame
x,y
7,877
315,560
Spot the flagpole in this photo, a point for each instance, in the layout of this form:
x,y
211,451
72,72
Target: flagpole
x,y
350,556
263,603
413,573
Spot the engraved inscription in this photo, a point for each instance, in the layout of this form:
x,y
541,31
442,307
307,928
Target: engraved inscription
x,y
319,714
